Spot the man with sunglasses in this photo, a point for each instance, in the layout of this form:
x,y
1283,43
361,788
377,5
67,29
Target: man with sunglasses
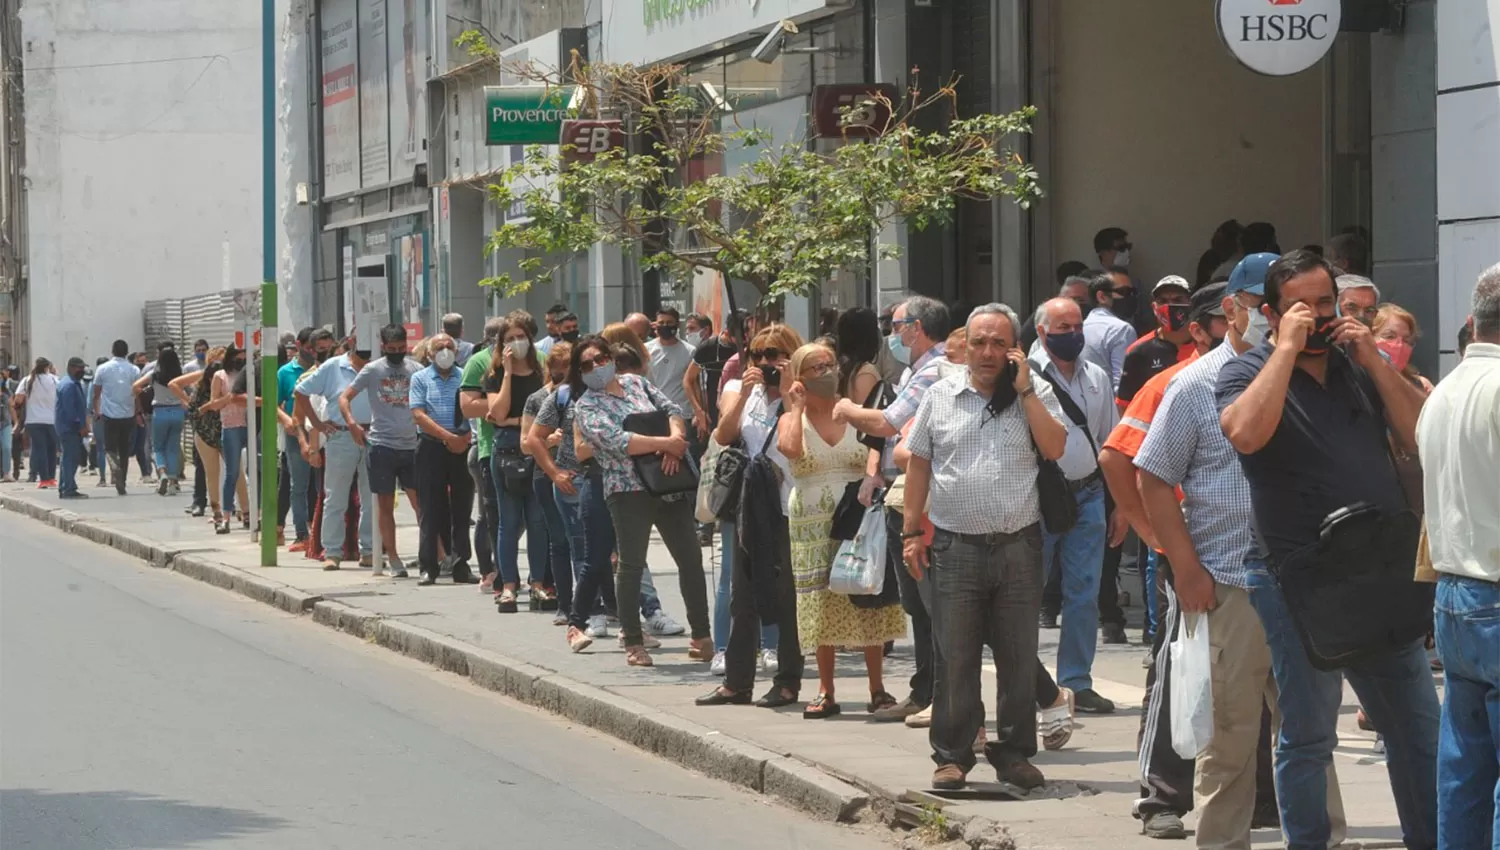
x,y
1107,329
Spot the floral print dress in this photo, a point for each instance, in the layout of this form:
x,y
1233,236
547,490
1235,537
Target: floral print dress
x,y
819,478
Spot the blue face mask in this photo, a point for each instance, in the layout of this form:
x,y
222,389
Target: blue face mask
x,y
600,377
1065,347
899,350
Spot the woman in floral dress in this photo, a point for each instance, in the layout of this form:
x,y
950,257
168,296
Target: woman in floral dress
x,y
825,456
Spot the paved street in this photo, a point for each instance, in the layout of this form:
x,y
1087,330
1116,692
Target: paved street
x,y
144,710
1087,805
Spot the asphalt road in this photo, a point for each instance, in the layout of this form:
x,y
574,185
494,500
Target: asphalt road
x,y
140,709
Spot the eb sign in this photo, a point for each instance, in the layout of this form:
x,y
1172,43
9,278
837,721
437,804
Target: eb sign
x,y
1279,37
582,140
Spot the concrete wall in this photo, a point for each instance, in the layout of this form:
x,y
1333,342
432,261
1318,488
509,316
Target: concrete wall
x,y
143,174
1155,128
1468,156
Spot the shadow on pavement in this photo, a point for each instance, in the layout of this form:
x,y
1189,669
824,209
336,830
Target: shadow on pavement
x,y
117,820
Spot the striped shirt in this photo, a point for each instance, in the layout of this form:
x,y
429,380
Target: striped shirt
x,y
437,396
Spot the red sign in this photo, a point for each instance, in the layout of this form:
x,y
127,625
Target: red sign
x,y
584,140
413,331
239,340
853,110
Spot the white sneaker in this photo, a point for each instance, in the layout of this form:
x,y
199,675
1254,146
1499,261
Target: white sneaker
x,y
647,641
768,661
716,667
660,624
920,720
598,628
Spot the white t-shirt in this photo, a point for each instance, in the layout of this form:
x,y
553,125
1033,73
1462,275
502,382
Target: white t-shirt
x,y
757,418
669,363
41,399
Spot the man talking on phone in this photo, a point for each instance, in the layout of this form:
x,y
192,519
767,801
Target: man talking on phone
x,y
1310,411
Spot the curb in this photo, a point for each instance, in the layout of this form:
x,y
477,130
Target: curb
x,y
688,744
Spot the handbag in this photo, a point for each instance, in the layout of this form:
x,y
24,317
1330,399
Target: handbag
x,y
858,568
848,515
654,479
727,484
1059,506
880,398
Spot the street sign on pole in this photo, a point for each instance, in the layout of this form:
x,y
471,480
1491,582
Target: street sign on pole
x,y
526,115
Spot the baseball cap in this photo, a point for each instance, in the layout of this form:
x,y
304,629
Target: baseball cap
x,y
1250,275
1171,280
1208,301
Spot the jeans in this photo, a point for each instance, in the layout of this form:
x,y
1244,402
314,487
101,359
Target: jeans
x,y
1468,772
1396,690
929,662
72,456
5,437
343,464
233,452
43,451
1148,592
634,514
166,439
1079,554
985,593
550,529
745,623
515,507
590,543
299,473
447,503
769,632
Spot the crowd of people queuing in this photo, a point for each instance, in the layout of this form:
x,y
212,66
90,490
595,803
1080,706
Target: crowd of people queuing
x,y
1258,430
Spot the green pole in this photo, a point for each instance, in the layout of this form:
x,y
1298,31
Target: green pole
x,y
270,338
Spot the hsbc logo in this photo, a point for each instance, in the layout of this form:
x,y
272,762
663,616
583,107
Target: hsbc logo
x,y
1278,37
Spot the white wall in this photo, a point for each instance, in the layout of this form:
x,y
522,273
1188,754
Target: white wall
x,y
1158,130
143,175
1468,156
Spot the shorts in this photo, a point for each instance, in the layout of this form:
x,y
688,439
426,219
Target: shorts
x,y
389,467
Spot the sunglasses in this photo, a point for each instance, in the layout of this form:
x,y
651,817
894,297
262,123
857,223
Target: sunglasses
x,y
587,366
766,354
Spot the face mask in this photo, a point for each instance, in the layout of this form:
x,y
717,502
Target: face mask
x,y
444,359
234,365
1173,317
1083,305
1257,328
324,355
1320,340
823,386
557,378
1218,341
1123,307
200,356
395,358
1122,258
1399,351
899,350
571,336
666,331
519,348
600,377
1065,347
363,354
772,375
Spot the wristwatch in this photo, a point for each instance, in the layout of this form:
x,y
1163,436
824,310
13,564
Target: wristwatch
x,y
908,535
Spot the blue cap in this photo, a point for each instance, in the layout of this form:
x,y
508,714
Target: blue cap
x,y
1250,275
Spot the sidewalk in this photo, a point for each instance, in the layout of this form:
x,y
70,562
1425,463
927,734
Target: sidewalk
x,y
833,768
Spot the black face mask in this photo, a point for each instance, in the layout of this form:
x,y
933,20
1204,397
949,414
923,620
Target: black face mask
x,y
395,358
1218,341
322,356
667,331
771,374
234,365
1320,340
363,354
1005,390
1123,306
571,336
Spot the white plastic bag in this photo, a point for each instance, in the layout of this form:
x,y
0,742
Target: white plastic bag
x,y
701,510
1192,686
859,566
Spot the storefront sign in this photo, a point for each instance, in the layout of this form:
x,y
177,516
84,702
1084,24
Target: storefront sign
x,y
1279,37
525,115
584,140
853,110
644,32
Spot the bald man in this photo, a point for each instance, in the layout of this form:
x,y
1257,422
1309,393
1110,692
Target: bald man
x,y
639,323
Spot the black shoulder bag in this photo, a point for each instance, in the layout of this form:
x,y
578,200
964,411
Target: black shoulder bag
x,y
648,467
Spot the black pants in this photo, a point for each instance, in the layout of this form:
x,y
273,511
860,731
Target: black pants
x,y
119,445
744,625
446,494
928,659
489,514
200,482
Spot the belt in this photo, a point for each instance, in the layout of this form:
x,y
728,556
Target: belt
x,y
1084,482
993,538
337,427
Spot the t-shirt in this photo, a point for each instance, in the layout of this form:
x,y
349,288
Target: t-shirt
x,y
553,414
1328,452
711,358
669,364
757,418
41,399
286,383
389,390
474,371
521,388
532,408
1148,356
732,372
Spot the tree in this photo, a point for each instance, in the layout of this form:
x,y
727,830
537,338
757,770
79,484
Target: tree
x,y
786,222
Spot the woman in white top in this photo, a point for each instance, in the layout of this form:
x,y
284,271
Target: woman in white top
x,y
748,412
37,396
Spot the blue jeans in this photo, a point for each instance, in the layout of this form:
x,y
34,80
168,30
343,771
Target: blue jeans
x,y
550,529
166,439
43,451
1397,693
770,634
515,509
343,462
5,435
299,473
1467,627
1148,591
589,546
1079,553
72,456
233,448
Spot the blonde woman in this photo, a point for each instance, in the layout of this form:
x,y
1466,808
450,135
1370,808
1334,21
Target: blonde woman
x,y
825,457
1396,334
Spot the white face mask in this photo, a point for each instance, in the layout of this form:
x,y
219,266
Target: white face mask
x,y
445,358
1257,329
519,347
1122,259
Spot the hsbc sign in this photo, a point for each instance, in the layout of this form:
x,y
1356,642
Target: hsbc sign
x,y
1278,37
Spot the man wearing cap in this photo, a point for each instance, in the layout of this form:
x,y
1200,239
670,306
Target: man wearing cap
x,y
1077,555
1358,297
72,426
1169,343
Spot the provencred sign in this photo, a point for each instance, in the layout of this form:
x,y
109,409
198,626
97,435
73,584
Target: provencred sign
x,y
525,115
1279,37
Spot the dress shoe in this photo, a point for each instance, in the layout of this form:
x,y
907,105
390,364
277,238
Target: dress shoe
x,y
1114,633
1089,701
949,777
718,696
1020,773
776,697
428,579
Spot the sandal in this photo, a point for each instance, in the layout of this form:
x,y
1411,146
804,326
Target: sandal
x,y
702,649
821,708
505,601
637,656
879,700
1056,724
